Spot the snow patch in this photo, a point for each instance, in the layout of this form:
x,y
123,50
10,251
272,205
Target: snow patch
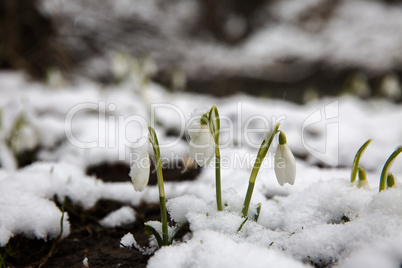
x,y
122,216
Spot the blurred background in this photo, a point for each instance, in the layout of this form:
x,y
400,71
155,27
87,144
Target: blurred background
x,y
292,50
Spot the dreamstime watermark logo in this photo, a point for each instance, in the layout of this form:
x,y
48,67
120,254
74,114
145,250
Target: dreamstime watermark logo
x,y
119,131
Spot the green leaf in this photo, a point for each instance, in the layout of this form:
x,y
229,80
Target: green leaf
x,y
257,215
387,165
357,159
242,224
155,233
175,231
2,262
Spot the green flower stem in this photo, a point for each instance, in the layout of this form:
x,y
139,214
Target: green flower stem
x,y
165,233
214,127
355,166
387,165
266,143
159,175
218,179
247,200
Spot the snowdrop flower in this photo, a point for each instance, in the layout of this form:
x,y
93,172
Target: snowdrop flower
x,y
362,182
285,164
140,168
204,131
202,144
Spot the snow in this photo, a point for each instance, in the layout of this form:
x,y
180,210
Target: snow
x,y
127,240
385,253
122,216
27,214
178,208
310,225
322,219
211,249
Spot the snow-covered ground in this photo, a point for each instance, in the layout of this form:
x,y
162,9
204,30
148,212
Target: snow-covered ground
x,y
87,124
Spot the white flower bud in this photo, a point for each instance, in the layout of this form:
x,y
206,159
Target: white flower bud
x,y
140,166
285,164
202,144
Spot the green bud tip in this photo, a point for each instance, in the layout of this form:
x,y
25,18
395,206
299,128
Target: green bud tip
x,y
282,138
390,180
362,174
204,119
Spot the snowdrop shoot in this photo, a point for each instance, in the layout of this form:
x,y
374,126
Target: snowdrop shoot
x,y
285,164
356,160
387,165
262,152
139,174
204,143
140,169
163,233
162,201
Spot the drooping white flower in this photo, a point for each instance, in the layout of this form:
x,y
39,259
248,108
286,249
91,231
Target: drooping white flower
x,y
285,164
140,164
202,144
